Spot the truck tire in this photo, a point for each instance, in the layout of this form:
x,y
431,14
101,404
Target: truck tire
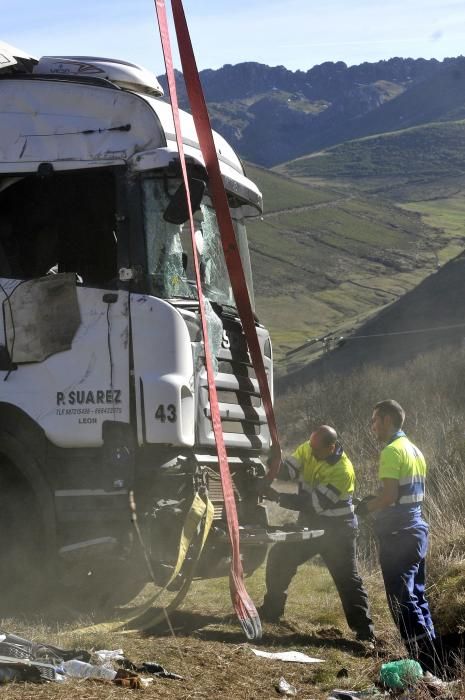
x,y
105,585
31,571
23,541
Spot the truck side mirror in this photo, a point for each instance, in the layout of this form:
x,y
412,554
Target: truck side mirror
x,y
177,211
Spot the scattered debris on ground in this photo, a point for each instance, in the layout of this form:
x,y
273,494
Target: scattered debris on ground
x,y
22,660
285,688
294,656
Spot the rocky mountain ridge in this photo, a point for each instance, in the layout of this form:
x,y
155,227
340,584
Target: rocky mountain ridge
x,y
271,114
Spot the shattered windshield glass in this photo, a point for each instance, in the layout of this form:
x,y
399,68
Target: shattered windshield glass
x,y
169,248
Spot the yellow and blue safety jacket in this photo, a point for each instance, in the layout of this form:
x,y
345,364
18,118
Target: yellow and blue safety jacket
x,y
402,460
326,486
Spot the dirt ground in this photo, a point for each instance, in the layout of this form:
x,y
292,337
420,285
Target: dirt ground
x,y
215,661
211,652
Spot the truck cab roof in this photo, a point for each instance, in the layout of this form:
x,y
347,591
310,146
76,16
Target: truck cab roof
x,y
79,112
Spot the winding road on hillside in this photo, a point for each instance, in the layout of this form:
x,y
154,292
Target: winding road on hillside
x,y
305,207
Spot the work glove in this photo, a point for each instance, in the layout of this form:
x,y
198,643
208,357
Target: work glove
x,y
361,509
301,501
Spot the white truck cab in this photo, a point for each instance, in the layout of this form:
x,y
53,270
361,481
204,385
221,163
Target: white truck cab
x,y
103,385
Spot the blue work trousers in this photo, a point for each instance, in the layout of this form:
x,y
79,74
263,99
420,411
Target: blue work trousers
x,y
402,558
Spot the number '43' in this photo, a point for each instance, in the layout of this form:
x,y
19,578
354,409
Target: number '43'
x,y
167,413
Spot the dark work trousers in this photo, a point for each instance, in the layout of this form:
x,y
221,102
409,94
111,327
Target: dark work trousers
x,y
402,558
337,548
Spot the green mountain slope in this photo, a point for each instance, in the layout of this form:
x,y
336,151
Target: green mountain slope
x,y
281,192
325,257
427,318
440,97
430,152
419,171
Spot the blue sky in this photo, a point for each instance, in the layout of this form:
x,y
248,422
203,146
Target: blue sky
x,y
293,33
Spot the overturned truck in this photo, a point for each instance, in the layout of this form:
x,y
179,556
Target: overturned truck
x,y
104,386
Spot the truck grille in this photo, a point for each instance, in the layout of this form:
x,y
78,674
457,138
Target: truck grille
x,y
242,414
215,494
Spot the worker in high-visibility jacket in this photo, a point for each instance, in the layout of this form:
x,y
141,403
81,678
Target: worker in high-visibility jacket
x,y
401,531
326,481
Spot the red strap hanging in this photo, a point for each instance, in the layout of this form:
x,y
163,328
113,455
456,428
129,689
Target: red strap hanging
x,y
228,238
243,604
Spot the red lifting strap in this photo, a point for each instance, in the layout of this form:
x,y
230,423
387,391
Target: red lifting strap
x,y
228,238
243,604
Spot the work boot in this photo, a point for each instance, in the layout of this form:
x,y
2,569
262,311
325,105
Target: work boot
x,y
368,640
268,615
272,609
430,656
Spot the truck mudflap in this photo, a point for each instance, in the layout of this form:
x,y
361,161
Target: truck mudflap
x,y
253,536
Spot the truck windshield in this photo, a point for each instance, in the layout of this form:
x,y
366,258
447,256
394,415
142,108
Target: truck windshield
x,y
169,248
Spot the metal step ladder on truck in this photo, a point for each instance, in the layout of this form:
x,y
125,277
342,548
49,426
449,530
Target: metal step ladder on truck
x,y
104,387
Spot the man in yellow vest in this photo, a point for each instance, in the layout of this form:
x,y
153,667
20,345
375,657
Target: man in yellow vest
x,y
326,485
401,531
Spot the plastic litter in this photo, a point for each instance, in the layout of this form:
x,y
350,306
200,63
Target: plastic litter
x,y
295,656
106,656
146,681
285,688
400,674
438,687
24,660
80,669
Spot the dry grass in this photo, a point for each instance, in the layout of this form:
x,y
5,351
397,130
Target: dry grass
x,y
215,658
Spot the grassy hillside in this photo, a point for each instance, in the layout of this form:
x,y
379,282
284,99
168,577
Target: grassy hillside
x,y
325,257
428,152
440,97
429,317
282,192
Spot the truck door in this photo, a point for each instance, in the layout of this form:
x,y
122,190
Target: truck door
x,y
66,325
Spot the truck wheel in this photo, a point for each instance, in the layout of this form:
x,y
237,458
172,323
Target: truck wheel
x,y
120,584
22,543
105,584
